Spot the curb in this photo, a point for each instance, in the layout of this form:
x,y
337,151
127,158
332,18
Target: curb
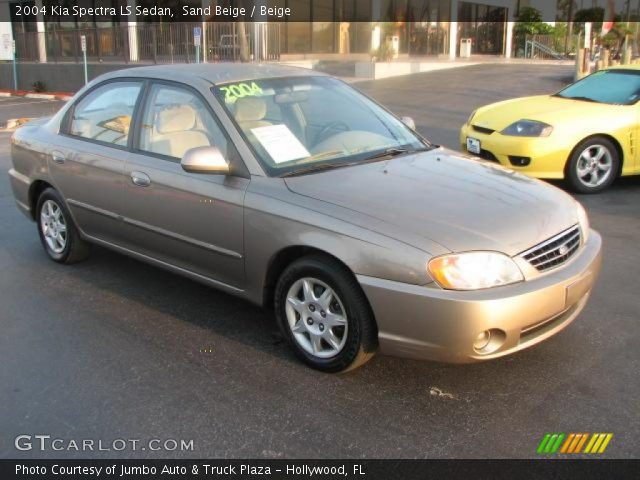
x,y
64,96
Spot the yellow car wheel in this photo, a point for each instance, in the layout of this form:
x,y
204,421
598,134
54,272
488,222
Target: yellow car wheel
x,y
593,165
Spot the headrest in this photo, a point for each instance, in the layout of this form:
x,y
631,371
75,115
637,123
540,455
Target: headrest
x,y
250,109
176,119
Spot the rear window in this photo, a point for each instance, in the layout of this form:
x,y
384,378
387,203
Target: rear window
x,y
104,115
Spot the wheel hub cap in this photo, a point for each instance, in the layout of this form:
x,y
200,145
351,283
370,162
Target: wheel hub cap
x,y
53,226
594,166
316,317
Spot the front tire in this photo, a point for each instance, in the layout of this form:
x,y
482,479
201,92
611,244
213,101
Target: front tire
x,y
58,234
593,166
324,315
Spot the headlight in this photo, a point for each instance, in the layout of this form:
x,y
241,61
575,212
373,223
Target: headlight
x,y
583,220
474,270
471,117
528,128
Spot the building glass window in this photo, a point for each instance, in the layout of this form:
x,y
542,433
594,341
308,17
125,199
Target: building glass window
x,y
429,27
484,24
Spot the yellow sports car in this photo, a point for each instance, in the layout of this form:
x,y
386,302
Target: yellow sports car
x,y
586,133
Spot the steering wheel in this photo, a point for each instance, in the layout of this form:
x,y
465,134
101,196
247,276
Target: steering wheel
x,y
335,125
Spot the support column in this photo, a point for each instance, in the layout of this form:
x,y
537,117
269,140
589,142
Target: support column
x,y
508,48
132,30
453,40
40,27
453,30
205,3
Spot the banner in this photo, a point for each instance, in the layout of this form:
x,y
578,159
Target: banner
x,y
319,469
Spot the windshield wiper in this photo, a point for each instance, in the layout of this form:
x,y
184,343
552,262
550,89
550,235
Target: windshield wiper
x,y
389,152
316,168
393,152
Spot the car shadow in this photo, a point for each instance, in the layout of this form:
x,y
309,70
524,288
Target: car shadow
x,y
234,321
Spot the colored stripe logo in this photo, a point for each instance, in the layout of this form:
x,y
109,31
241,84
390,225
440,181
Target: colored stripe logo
x,y
573,443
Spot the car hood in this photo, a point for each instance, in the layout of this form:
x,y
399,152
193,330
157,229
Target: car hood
x,y
444,198
544,108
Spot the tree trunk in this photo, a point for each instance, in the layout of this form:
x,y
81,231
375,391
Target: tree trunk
x,y
244,45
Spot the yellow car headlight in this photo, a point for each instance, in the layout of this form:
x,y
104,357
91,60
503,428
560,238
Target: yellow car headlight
x,y
474,270
528,128
583,220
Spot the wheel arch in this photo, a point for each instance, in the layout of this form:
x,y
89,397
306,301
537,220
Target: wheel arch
x,y
35,190
606,136
281,260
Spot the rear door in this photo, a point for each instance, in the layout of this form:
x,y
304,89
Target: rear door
x,y
87,165
190,220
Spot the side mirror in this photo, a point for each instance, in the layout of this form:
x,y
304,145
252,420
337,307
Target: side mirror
x,y
205,160
408,121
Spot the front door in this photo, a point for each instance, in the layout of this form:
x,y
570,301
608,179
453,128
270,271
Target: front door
x,y
193,221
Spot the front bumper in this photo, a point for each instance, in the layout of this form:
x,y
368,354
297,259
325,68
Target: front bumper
x,y
548,158
427,322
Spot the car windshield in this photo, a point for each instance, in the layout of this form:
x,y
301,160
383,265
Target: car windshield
x,y
619,87
306,123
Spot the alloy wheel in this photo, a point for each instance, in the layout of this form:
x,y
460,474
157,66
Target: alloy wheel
x,y
316,317
53,226
594,166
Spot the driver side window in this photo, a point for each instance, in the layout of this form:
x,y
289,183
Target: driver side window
x,y
176,120
105,113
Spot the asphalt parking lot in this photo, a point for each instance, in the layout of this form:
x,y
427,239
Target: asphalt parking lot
x,y
113,348
18,107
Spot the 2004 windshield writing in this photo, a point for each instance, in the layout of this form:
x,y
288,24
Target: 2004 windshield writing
x,y
240,90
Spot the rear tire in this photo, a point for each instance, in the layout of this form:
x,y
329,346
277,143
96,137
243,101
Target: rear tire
x,y
593,166
324,315
58,233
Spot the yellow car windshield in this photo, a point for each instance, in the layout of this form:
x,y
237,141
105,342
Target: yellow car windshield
x,y
617,87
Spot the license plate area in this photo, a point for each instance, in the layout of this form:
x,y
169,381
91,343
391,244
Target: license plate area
x,y
474,146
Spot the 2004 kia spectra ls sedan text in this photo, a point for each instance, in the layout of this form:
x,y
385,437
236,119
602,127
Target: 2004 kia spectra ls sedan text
x,y
294,191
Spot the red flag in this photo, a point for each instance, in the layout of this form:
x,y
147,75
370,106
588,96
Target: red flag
x,y
609,16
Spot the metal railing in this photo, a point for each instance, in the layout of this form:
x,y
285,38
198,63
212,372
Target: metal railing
x,y
151,43
537,50
560,45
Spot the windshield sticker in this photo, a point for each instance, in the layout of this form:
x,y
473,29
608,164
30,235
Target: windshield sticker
x,y
280,143
239,90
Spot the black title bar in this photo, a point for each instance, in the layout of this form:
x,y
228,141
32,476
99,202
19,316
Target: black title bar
x,y
320,469
89,13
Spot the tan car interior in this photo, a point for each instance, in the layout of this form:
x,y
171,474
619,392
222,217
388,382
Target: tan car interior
x,y
179,128
250,112
110,125
176,129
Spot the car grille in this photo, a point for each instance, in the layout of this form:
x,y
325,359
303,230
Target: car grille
x,y
555,251
488,131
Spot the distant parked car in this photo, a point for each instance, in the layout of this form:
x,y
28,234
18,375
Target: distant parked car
x,y
291,189
228,48
586,134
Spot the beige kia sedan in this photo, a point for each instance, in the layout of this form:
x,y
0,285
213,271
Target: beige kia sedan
x,y
294,191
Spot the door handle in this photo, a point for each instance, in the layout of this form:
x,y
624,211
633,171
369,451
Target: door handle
x,y
140,179
57,157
